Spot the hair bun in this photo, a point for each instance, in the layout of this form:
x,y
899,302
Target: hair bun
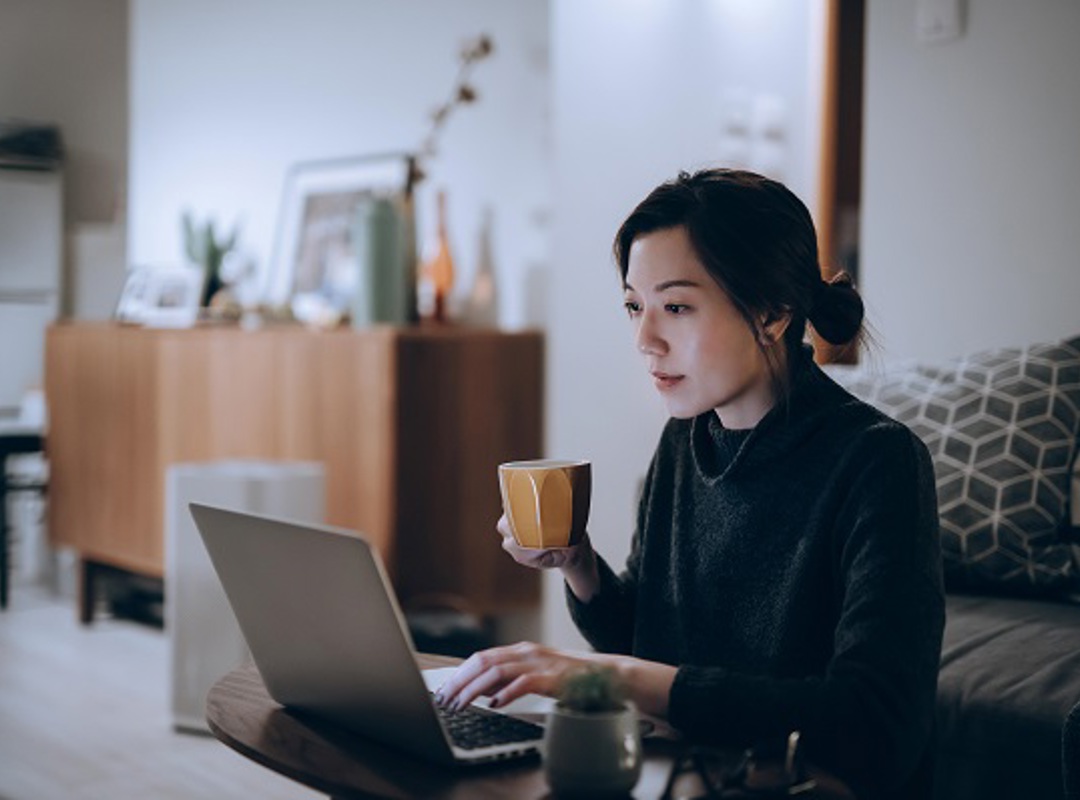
x,y
837,312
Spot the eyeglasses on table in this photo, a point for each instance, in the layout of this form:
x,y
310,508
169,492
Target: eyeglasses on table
x,y
702,773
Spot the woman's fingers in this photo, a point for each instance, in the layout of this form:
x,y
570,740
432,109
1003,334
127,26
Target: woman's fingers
x,y
503,527
523,556
527,683
527,557
479,674
505,672
488,683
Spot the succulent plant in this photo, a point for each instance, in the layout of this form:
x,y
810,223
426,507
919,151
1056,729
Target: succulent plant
x,y
592,689
204,247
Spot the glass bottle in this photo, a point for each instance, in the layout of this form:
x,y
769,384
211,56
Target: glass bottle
x,y
481,306
437,275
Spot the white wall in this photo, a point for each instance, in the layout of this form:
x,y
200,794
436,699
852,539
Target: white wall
x,y
65,62
640,91
225,96
970,176
970,234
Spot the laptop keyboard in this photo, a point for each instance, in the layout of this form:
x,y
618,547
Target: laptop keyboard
x,y
473,727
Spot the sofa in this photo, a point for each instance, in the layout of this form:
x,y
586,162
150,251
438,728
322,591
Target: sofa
x,y
1002,428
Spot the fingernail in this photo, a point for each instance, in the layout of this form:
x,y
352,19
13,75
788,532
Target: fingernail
x,y
439,699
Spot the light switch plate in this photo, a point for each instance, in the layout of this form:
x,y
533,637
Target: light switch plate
x,y
938,21
769,117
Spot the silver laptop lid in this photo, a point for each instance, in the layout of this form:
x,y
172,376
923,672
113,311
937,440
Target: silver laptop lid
x,y
323,625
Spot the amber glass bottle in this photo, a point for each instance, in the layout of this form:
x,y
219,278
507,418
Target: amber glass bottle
x,y
437,275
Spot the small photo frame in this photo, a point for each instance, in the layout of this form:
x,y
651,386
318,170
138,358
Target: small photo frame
x,y
160,297
313,256
133,297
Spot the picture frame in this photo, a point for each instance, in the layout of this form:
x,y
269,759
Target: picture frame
x,y
133,296
313,263
160,297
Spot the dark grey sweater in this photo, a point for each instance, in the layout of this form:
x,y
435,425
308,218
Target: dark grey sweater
x,y
793,574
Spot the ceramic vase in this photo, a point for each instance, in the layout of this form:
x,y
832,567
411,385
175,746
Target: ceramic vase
x,y
592,754
383,292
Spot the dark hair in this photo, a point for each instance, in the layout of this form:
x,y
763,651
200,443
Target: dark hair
x,y
757,241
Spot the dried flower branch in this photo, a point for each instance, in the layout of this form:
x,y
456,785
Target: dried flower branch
x,y
462,91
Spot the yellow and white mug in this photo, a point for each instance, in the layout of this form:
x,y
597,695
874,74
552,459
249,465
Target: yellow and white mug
x,y
546,501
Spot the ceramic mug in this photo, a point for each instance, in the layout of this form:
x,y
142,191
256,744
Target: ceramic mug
x,y
546,501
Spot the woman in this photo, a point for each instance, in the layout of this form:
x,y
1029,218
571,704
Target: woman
x,y
785,570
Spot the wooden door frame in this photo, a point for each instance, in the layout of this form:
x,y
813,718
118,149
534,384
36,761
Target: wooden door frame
x,y
842,31
827,153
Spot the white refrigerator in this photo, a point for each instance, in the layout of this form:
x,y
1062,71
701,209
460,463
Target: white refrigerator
x,y
31,257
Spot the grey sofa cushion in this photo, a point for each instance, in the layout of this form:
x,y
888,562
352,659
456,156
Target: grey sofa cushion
x,y
1002,428
1010,673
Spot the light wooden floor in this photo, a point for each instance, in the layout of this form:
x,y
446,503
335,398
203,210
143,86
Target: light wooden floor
x,y
84,713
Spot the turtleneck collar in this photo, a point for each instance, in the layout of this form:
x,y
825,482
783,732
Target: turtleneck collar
x,y
719,452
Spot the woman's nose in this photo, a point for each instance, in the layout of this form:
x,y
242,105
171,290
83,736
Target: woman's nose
x,y
649,341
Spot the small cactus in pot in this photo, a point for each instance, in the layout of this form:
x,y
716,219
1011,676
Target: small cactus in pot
x,y
592,690
205,248
592,743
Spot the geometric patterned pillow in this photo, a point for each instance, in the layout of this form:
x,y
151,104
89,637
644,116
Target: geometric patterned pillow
x,y
1002,429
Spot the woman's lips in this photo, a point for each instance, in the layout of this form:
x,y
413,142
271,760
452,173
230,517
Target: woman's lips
x,y
665,382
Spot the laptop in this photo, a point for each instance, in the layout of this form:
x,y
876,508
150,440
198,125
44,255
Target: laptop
x,y
326,633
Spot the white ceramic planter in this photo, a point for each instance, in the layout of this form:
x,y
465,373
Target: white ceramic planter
x,y
592,755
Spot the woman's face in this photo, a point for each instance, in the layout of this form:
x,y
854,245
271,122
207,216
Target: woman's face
x,y
698,348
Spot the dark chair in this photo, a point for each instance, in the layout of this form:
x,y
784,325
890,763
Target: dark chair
x,y
1070,753
14,440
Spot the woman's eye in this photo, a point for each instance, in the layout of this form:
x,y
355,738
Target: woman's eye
x,y
632,307
676,308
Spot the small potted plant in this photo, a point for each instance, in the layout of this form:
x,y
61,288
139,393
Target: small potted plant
x,y
592,743
207,249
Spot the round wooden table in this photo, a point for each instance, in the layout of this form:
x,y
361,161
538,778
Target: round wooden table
x,y
342,764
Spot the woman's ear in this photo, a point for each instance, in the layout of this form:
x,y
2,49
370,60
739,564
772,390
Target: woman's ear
x,y
772,326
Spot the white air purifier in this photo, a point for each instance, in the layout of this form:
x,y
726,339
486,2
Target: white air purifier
x,y
204,638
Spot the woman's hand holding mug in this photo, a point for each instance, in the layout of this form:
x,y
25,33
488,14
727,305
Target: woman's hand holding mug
x,y
545,511
543,558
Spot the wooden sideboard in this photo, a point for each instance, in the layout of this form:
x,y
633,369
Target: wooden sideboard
x,y
409,423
